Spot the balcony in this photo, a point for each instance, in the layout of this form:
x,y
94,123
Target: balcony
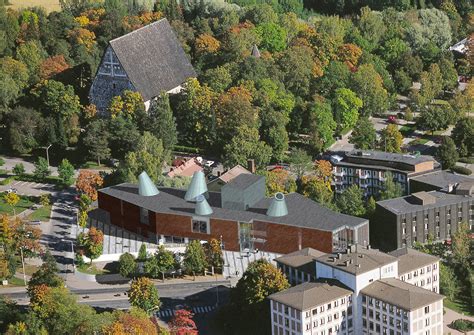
x,y
364,176
339,173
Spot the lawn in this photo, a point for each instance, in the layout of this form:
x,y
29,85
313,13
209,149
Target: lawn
x,y
22,205
92,270
49,5
407,129
460,306
41,214
418,141
14,281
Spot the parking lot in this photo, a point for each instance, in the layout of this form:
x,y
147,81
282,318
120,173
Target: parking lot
x,y
28,188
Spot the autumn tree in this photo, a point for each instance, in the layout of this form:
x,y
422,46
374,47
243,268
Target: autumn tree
x,y
391,139
317,190
143,294
213,250
279,180
182,323
135,321
52,66
45,277
91,243
11,199
88,182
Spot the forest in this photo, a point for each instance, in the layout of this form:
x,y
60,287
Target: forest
x,y
321,69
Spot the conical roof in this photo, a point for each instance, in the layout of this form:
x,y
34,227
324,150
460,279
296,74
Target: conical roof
x,y
278,206
146,187
196,187
202,206
255,51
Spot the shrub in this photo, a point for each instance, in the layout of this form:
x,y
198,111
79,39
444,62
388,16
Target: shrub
x,y
461,170
127,265
462,325
142,255
467,160
191,150
19,169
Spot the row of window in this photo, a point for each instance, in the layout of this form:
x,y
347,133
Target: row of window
x,y
371,302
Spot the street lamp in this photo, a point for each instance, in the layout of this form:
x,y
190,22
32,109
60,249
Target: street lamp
x,y
47,153
23,264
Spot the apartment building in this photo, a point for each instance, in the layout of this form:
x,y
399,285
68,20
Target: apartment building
x,y
312,309
369,169
240,216
418,268
299,266
393,307
386,296
422,216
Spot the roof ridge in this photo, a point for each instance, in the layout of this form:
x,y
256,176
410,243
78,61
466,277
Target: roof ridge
x,y
136,30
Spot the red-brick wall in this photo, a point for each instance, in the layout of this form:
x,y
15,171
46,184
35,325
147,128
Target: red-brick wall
x,y
279,238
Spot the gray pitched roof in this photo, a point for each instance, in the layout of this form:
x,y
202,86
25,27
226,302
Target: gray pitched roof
x,y
441,179
411,259
357,261
302,212
310,294
300,257
406,296
407,205
153,59
243,181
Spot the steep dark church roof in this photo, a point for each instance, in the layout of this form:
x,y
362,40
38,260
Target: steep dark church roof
x,y
153,59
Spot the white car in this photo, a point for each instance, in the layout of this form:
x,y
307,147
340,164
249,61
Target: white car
x,y
12,190
209,163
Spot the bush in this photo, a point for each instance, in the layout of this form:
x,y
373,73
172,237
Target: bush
x,y
142,254
467,160
462,325
19,169
127,265
7,181
191,150
461,170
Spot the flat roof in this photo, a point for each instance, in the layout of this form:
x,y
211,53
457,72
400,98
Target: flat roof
x,y
310,294
410,259
300,257
358,260
403,295
390,157
406,204
441,179
302,212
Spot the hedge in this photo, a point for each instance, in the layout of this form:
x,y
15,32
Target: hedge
x,y
467,160
7,180
462,325
461,170
191,150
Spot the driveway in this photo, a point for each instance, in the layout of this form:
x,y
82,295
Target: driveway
x,y
449,317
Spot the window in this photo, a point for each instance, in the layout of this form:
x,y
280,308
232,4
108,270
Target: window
x,y
427,309
286,310
200,226
144,216
329,306
315,311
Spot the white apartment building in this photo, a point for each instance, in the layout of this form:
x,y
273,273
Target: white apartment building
x,y
312,309
393,307
418,268
398,296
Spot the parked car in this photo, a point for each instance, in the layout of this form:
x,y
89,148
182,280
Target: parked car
x,y
392,119
209,163
12,190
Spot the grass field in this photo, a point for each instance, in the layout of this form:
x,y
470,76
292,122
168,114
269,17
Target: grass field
x,y
49,5
41,214
22,205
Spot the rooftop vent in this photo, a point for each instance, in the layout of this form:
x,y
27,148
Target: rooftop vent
x,y
278,206
202,206
146,187
196,187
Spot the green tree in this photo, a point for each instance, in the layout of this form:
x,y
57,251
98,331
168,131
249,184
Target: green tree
x,y
300,162
127,266
96,141
448,282
391,139
22,128
463,136
296,65
322,126
143,294
142,254
160,263
162,122
273,36
363,136
462,246
370,209
435,117
57,99
124,136
391,189
41,169
431,85
346,107
247,145
149,156
351,201
279,180
195,258
19,169
336,75
46,274
371,27
449,74
259,281
447,153
367,84
66,172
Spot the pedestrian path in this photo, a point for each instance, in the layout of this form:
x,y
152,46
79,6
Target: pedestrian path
x,y
167,313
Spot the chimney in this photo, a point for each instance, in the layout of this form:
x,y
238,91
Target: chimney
x,y
278,206
202,206
196,187
146,187
251,165
219,173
